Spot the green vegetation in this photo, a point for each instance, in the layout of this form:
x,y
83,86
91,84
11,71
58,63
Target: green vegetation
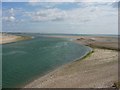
x,y
116,84
88,55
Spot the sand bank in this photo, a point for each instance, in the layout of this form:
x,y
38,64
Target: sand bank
x,y
107,42
98,70
8,38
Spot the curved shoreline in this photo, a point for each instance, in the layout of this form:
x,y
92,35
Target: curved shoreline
x,y
55,70
82,67
9,38
60,67
37,77
60,77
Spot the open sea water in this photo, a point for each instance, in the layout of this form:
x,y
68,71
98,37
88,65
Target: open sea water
x,y
24,61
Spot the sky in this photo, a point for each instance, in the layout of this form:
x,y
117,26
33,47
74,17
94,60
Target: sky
x,y
73,17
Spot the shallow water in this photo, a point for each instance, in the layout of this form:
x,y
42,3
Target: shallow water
x,y
23,61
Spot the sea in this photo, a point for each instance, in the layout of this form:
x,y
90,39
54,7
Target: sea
x,y
25,61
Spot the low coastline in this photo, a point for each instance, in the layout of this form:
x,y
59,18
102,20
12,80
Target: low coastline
x,y
9,38
85,73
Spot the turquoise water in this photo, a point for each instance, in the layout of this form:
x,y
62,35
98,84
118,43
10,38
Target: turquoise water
x,y
24,61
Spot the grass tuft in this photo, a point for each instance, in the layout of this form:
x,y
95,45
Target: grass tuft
x,y
116,84
88,55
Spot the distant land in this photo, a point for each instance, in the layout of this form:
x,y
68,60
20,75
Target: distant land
x,y
9,38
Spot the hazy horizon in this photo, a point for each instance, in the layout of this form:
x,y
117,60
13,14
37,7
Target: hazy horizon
x,y
60,17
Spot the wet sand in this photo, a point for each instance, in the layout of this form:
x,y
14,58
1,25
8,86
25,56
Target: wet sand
x,y
97,70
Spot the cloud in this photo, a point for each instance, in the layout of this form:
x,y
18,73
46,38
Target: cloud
x,y
9,19
96,0
9,15
15,15
50,16
11,11
86,12
45,4
51,0
60,0
47,15
115,5
56,2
